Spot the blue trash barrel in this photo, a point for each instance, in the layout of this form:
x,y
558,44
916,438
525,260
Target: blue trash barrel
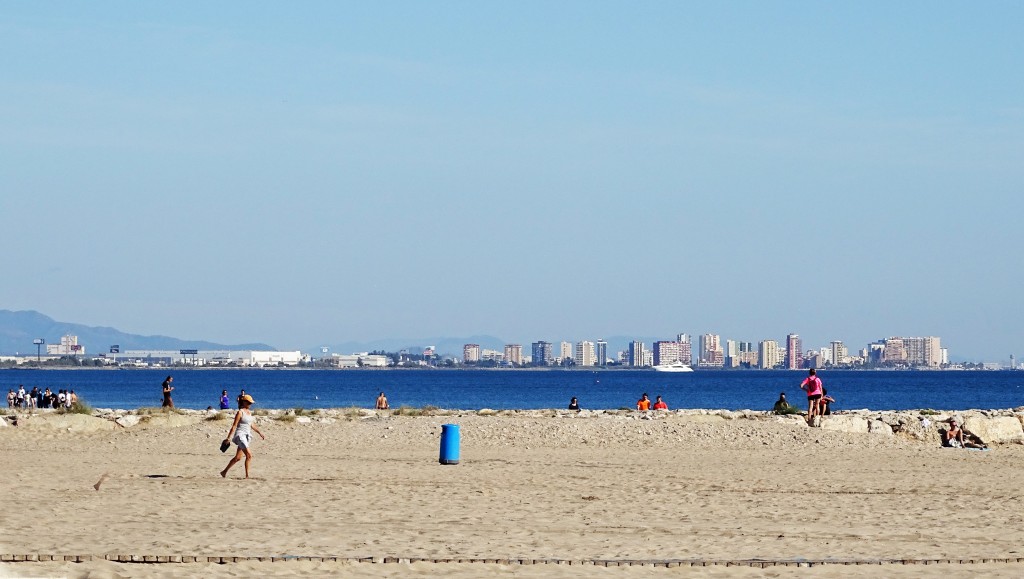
x,y
449,444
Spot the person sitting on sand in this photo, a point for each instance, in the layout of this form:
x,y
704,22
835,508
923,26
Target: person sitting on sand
x,y
644,403
825,404
659,404
242,427
781,405
574,405
382,402
957,437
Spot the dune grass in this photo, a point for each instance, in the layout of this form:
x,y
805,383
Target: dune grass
x,y
152,410
404,410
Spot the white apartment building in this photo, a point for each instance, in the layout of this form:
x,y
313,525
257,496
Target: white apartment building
x,y
769,354
585,354
840,354
471,353
514,354
566,351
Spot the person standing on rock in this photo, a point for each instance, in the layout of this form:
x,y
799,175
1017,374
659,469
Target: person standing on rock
x,y
812,385
167,388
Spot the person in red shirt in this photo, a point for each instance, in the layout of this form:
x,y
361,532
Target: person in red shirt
x,y
644,403
659,404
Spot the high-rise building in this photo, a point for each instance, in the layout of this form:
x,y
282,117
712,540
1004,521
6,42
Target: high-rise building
x,y
769,355
601,353
665,353
471,353
711,353
566,351
794,358
636,354
840,355
541,353
894,352
685,349
585,353
923,351
514,354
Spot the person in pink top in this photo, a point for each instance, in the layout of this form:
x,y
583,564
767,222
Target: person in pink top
x,y
812,385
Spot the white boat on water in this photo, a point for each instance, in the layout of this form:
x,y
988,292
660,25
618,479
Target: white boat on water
x,y
673,367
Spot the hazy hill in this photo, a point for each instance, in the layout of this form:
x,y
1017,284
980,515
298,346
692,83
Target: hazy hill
x,y
18,329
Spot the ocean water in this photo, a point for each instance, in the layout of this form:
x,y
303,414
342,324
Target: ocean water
x,y
529,389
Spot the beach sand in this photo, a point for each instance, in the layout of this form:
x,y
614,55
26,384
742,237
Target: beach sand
x,y
573,488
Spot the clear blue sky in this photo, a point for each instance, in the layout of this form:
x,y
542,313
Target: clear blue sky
x,y
315,172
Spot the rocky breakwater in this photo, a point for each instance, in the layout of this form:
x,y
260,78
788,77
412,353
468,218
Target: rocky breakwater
x,y
991,426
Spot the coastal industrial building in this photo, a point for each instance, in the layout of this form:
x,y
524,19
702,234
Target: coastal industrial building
x,y
244,358
362,360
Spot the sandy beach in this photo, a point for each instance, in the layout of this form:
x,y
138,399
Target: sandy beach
x,y
594,487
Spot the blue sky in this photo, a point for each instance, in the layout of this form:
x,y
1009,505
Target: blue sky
x,y
305,173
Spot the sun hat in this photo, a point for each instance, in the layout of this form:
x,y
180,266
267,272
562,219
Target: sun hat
x,y
247,398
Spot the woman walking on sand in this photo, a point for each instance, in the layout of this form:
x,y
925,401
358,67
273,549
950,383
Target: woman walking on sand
x,y
242,428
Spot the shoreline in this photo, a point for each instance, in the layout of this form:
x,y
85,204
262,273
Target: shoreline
x,y
993,426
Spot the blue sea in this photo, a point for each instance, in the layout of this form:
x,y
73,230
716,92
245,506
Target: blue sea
x,y
529,389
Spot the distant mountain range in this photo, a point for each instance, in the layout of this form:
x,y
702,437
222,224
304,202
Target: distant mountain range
x,y
18,329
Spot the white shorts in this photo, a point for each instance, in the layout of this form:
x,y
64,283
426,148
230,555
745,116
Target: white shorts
x,y
242,440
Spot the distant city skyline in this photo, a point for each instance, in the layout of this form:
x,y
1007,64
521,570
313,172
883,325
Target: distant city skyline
x,y
329,173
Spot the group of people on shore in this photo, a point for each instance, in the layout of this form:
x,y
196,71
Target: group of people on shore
x,y
819,403
36,398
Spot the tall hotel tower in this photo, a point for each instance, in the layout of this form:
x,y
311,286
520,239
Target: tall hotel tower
x,y
541,353
794,358
711,353
601,353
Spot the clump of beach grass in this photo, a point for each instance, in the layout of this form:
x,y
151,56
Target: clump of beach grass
x,y
788,410
80,406
222,415
286,418
428,410
151,410
487,412
929,412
